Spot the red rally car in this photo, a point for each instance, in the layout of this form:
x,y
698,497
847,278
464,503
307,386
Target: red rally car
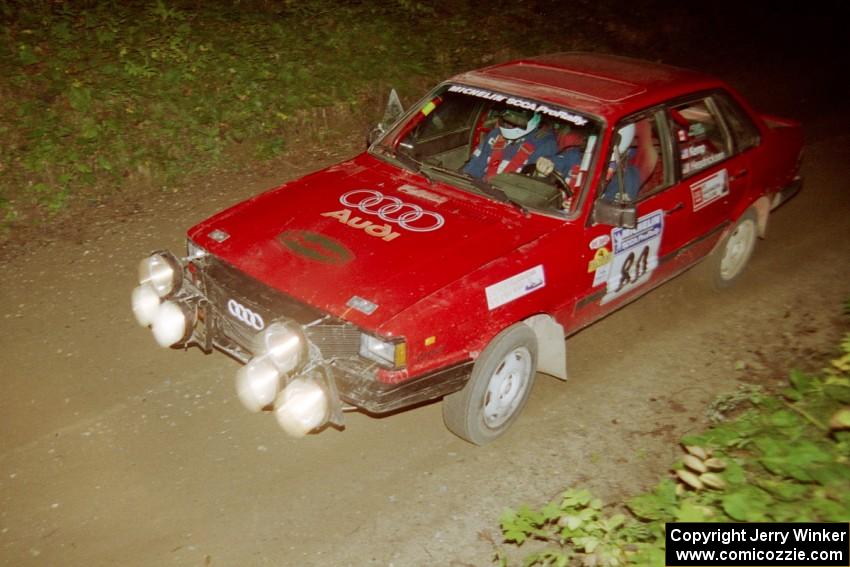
x,y
506,210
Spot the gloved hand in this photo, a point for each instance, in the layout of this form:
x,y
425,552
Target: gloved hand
x,y
544,166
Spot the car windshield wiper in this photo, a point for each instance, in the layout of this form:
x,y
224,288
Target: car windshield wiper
x,y
408,162
495,192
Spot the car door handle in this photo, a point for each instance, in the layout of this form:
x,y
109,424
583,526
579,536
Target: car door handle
x,y
675,209
741,173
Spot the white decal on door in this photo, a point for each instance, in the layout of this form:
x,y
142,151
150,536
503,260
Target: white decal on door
x,y
635,255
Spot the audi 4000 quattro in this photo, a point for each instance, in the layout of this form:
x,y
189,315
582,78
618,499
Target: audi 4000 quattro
x,y
507,209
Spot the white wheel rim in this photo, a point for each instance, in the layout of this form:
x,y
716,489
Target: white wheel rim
x,y
507,387
738,249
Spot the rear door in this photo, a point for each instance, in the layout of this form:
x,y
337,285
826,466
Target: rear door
x,y
712,136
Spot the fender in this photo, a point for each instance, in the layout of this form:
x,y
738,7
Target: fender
x,y
762,208
551,345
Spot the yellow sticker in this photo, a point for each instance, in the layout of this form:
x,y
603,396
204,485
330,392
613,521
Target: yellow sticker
x,y
430,340
602,257
428,108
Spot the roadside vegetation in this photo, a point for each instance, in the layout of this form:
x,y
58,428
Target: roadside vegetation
x,y
783,457
100,97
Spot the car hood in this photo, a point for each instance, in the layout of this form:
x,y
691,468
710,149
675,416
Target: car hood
x,y
363,240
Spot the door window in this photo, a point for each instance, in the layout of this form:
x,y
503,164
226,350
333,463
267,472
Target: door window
x,y
636,165
700,137
745,135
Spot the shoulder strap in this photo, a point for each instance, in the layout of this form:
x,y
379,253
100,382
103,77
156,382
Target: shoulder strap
x,y
496,153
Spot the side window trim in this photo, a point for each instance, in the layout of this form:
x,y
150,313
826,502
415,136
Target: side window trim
x,y
724,98
708,98
658,115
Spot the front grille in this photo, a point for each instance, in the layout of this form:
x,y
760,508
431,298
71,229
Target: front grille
x,y
222,283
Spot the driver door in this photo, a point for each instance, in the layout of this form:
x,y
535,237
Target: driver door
x,y
623,263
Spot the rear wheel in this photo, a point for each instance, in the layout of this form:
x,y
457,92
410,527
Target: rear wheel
x,y
731,257
501,381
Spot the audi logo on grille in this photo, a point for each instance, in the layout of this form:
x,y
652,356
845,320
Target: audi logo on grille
x,y
393,210
245,315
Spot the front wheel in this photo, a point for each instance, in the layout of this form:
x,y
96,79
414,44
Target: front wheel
x,y
501,381
728,261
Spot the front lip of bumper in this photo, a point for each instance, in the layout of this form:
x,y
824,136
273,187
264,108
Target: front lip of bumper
x,y
349,381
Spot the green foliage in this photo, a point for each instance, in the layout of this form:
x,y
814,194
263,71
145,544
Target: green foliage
x,y
786,458
100,94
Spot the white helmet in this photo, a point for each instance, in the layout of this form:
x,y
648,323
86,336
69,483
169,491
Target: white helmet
x,y
627,134
514,124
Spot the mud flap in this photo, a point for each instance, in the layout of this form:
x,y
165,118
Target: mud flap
x,y
551,345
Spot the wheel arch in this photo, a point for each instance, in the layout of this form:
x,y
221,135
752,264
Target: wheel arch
x,y
551,345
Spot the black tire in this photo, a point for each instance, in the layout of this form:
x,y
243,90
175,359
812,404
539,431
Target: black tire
x,y
729,260
473,413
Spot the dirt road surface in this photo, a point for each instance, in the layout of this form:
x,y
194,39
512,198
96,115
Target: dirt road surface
x,y
116,452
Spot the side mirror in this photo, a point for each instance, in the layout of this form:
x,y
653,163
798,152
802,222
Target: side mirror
x,y
392,113
614,213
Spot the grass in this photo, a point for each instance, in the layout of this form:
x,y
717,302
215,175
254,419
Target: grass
x,y
96,96
101,94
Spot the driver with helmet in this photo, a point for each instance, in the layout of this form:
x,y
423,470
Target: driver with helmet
x,y
518,141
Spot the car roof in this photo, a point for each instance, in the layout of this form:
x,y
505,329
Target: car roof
x,y
608,86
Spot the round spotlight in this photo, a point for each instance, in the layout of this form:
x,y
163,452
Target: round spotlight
x,y
163,272
170,324
284,344
301,407
257,384
145,302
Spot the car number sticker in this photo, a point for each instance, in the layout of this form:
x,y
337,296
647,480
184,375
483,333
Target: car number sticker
x,y
515,287
710,189
635,255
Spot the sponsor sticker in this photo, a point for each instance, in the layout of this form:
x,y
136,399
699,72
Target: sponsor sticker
x,y
422,194
710,189
635,255
515,287
602,257
600,241
521,103
363,305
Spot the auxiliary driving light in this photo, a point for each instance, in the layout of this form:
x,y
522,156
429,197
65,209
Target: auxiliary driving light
x,y
284,345
162,271
257,384
301,407
170,324
145,302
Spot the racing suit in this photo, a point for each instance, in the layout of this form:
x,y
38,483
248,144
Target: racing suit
x,y
495,154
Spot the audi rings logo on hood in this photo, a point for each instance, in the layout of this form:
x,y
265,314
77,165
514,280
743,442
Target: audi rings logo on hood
x,y
315,246
250,318
393,210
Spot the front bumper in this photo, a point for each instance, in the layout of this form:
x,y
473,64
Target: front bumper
x,y
209,293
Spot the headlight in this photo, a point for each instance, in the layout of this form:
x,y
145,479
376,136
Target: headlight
x,y
145,302
386,353
301,407
285,345
162,270
171,324
257,384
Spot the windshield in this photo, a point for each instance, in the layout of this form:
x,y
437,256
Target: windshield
x,y
533,154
